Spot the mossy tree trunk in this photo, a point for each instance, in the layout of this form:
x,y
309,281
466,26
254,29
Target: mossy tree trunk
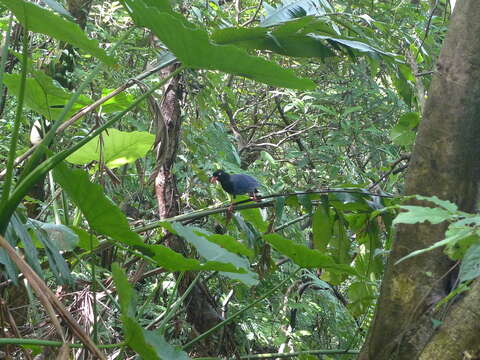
x,y
445,163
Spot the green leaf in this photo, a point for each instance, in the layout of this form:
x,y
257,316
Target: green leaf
x,y
193,48
447,205
293,44
348,201
322,228
254,217
119,102
164,349
126,295
19,230
214,252
56,261
118,148
458,246
418,214
404,88
289,10
279,207
230,244
403,133
46,22
470,267
106,218
304,200
305,257
8,265
361,297
86,241
340,243
62,236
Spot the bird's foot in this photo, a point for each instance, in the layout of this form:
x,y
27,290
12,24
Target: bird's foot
x,y
254,197
229,212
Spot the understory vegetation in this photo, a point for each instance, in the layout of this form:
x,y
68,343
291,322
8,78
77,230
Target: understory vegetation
x,y
114,116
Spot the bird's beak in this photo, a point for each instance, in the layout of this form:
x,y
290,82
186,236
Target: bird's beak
x,y
213,179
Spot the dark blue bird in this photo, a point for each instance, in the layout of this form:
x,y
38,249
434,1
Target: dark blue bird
x,y
236,184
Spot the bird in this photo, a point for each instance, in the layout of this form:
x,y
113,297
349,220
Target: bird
x,y
236,184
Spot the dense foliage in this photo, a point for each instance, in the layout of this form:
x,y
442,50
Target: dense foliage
x,y
318,101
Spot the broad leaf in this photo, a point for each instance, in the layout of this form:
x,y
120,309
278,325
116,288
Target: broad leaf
x,y
230,244
289,10
86,240
193,48
322,228
20,233
118,148
305,257
403,133
56,261
254,217
470,267
214,252
305,37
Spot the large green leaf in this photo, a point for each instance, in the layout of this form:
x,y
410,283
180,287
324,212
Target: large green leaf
x,y
254,217
214,252
305,37
105,217
229,243
193,48
118,148
306,257
43,21
290,44
148,344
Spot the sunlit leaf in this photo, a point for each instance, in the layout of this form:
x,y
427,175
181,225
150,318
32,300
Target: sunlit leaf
x,y
118,148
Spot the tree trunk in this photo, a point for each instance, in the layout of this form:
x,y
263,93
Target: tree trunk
x,y
202,311
445,163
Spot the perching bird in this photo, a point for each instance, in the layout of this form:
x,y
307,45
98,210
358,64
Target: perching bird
x,y
236,184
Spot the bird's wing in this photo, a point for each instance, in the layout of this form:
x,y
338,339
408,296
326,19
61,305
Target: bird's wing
x,y
243,183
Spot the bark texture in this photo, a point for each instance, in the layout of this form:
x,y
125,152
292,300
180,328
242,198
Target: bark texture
x,y
445,163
